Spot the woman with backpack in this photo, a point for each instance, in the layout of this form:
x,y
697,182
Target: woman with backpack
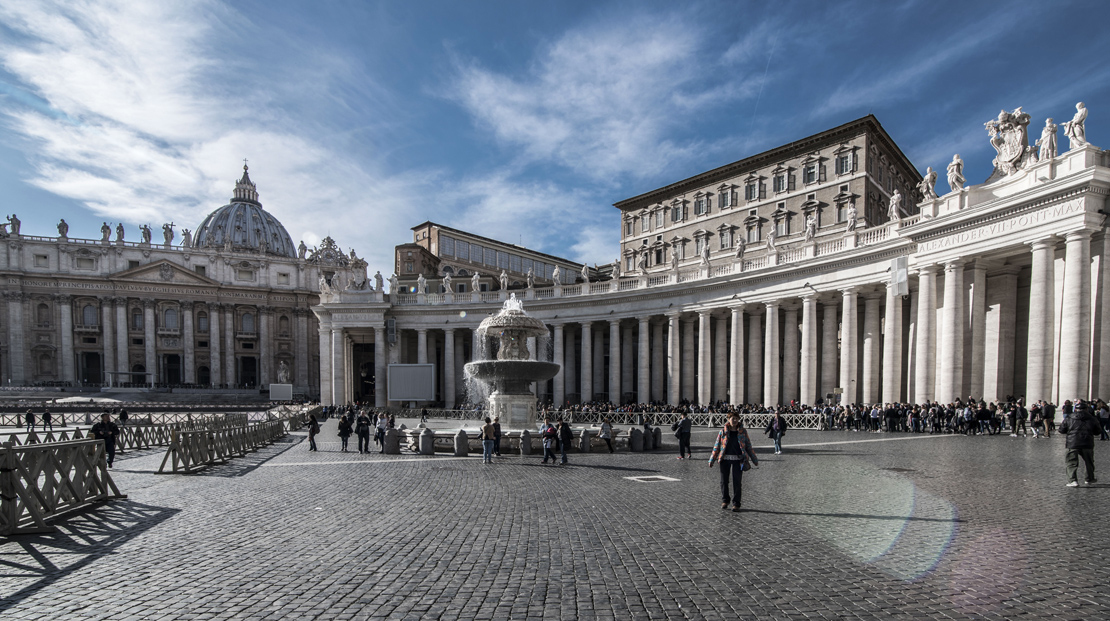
x,y
734,450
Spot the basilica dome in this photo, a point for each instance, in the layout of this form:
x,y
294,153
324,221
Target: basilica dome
x,y
244,225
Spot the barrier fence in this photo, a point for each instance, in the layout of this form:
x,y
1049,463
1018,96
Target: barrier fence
x,y
41,481
190,451
655,419
88,416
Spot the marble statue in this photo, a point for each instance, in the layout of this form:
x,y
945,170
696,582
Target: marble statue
x,y
585,273
1075,129
1009,137
63,228
186,238
674,256
324,286
705,252
421,284
393,284
641,262
741,247
15,223
119,232
167,233
1047,141
894,211
105,232
3,229
531,277
145,233
378,285
447,283
927,187
772,237
503,280
617,268
301,250
555,276
474,285
956,178
228,244
852,215
283,373
811,227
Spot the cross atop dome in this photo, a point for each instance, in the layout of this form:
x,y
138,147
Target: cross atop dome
x,y
245,189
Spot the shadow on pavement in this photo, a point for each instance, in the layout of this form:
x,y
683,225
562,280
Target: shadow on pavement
x,y
857,516
241,466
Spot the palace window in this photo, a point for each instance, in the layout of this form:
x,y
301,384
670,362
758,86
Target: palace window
x,y
726,238
753,234
628,228
244,274
726,198
782,227
202,322
408,267
171,319
248,323
751,191
780,183
678,212
842,212
845,163
701,205
658,256
645,223
699,243
283,279
200,269
136,319
283,326
88,315
84,263
809,174
658,218
629,263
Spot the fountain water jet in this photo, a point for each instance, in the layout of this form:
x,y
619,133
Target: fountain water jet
x,y
508,377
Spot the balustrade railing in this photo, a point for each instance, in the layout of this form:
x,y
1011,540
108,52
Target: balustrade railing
x,y
569,290
628,284
659,280
873,235
829,247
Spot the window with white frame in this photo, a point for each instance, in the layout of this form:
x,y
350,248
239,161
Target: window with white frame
x,y
779,183
678,212
842,212
701,205
88,315
699,244
171,319
751,191
202,322
726,238
628,227
845,163
645,223
809,173
753,233
726,198
629,263
782,226
658,218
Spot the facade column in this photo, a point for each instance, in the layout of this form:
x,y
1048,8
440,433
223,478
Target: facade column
x,y
338,367
790,351
643,376
689,362
736,358
1075,318
872,328
974,365
188,343
809,350
720,359
230,372
123,360
1102,383
215,366
449,368
829,329
300,347
557,356
265,346
16,353
599,361
952,341
674,359
755,359
107,335
65,324
615,361
149,340
658,371
422,346
925,362
628,351
587,365
892,347
326,375
705,357
848,346
381,388
1042,319
570,376
771,386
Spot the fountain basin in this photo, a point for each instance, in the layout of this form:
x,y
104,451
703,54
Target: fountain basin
x,y
511,376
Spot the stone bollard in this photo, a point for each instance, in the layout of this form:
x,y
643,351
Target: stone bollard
x,y
426,442
462,444
657,437
392,443
525,443
584,441
635,440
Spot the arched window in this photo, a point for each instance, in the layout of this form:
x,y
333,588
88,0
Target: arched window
x,y
88,315
46,364
136,319
171,319
283,325
42,314
248,322
202,322
447,269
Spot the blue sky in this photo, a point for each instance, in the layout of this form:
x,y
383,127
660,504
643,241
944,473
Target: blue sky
x,y
522,121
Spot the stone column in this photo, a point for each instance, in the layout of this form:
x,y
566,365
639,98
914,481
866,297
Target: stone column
x,y
381,372
327,379
674,359
952,341
720,359
449,368
755,359
872,327
736,360
557,356
123,360
925,367
829,357
65,325
265,346
771,387
689,362
107,334
973,366
422,346
188,343
599,361
848,344
16,353
809,350
587,366
215,367
658,370
570,374
1001,334
643,375
1102,383
149,336
338,366
892,347
705,357
628,349
300,347
230,371
1042,318
790,352
615,361
1075,319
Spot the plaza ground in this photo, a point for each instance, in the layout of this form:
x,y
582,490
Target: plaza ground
x,y
842,525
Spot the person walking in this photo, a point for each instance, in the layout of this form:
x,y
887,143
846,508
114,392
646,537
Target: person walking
x,y
106,430
46,421
733,449
682,429
379,433
313,429
606,434
29,417
362,429
776,429
1081,428
487,442
565,438
344,432
497,436
549,436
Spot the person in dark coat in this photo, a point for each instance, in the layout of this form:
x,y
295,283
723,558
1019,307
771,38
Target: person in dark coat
x,y
30,418
313,429
108,431
565,438
1081,428
682,428
362,428
776,429
344,432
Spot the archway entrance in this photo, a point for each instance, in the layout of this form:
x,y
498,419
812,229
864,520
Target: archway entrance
x,y
89,370
248,371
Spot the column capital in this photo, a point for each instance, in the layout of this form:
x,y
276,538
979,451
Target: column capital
x,y
772,304
705,311
449,330
1041,244
644,319
187,305
148,303
1084,234
953,265
849,291
616,321
62,298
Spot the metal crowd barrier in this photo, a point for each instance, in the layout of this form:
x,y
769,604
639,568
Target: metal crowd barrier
x,y
191,451
655,419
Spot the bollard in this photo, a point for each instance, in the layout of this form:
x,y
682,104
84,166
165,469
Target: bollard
x,y
392,443
635,440
426,442
462,444
584,441
657,437
525,443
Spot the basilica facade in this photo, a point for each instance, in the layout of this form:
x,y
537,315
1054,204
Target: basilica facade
x,y
226,306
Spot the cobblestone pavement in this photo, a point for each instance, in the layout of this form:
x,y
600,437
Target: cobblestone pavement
x,y
842,525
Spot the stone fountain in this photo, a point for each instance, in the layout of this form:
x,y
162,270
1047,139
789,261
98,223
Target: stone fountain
x,y
510,375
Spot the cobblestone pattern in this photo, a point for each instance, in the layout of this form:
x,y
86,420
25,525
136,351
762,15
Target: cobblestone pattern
x,y
932,527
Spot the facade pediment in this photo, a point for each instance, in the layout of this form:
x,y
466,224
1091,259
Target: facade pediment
x,y
162,272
